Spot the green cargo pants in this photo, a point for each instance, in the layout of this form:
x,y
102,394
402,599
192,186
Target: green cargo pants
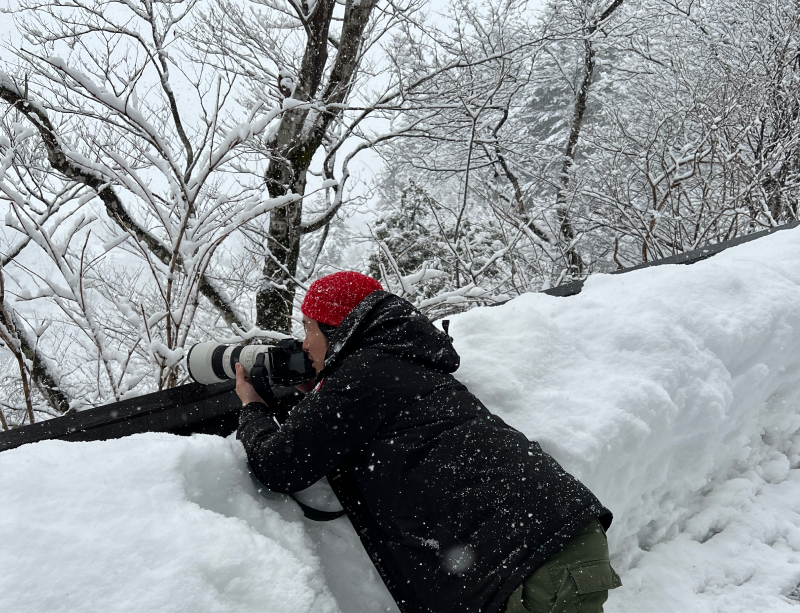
x,y
573,580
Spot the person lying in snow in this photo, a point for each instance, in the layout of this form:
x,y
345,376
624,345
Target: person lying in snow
x,y
458,511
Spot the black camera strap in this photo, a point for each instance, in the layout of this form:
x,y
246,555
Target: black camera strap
x,y
446,328
260,380
318,514
310,512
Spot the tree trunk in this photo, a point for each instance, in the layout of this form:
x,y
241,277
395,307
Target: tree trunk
x,y
574,262
294,147
41,376
275,298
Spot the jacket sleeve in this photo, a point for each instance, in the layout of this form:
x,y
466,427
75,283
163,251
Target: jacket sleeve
x,y
329,424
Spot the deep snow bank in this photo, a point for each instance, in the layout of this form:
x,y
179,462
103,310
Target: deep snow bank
x,y
148,523
671,391
674,393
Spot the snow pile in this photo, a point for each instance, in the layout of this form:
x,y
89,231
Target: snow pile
x,y
148,523
673,392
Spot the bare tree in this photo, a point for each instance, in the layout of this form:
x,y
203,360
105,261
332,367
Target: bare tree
x,y
169,133
641,129
704,145
45,194
469,139
170,206
316,59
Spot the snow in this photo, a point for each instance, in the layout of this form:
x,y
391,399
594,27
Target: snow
x,y
293,103
672,392
149,523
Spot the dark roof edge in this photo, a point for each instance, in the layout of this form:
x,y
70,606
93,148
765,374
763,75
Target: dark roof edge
x,y
688,257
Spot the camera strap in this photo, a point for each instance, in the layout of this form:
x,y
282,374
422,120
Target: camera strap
x,y
446,328
310,512
318,514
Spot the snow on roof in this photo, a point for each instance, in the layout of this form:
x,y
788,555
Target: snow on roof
x,y
673,392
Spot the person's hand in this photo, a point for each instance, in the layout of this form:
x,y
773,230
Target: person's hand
x,y
245,389
306,387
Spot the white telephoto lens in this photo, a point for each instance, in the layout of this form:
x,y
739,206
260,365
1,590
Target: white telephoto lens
x,y
248,356
227,366
199,363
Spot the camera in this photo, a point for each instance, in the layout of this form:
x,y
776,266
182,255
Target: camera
x,y
283,364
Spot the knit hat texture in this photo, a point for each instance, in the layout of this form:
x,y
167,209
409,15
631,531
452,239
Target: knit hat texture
x,y
330,299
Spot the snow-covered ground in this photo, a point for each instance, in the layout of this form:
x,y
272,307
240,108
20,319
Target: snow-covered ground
x,y
673,392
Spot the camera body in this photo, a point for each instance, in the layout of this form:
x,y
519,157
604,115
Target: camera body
x,y
283,364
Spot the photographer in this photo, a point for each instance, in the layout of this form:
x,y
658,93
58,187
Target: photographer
x,y
458,511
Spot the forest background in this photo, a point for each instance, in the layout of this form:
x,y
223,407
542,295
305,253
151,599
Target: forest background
x,y
179,171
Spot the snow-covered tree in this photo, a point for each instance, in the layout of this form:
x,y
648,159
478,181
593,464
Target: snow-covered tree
x,y
175,171
620,132
172,162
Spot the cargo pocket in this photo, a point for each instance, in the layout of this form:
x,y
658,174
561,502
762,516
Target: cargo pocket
x,y
594,576
593,580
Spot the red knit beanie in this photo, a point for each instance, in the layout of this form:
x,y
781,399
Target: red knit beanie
x,y
330,299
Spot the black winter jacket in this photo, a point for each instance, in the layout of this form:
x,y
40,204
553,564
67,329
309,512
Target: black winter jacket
x,y
454,507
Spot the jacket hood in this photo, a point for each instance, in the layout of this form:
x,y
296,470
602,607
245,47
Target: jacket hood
x,y
385,322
